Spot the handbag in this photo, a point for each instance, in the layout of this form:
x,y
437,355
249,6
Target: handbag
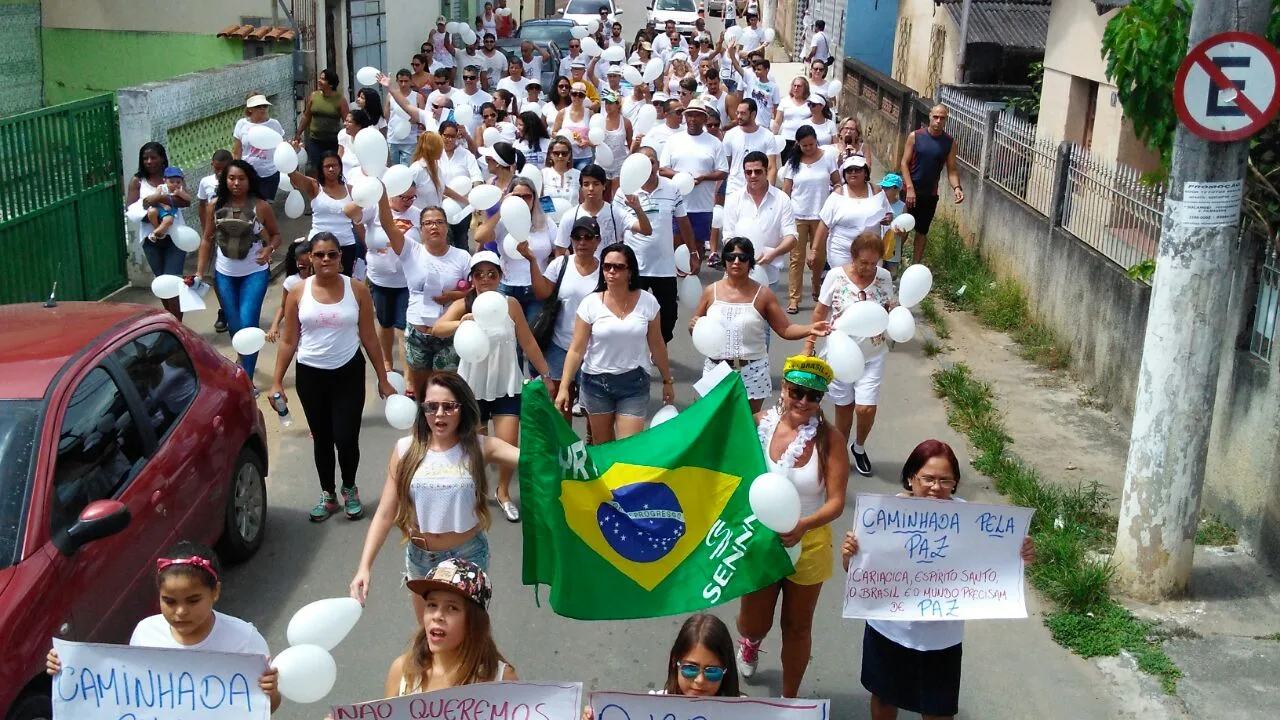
x,y
544,325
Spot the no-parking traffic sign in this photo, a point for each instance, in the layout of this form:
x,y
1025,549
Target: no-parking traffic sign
x,y
1226,88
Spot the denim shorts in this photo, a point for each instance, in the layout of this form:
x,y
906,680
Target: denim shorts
x,y
418,562
164,257
505,405
389,305
622,393
428,352
555,356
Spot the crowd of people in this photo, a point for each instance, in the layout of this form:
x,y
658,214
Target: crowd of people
x,y
744,179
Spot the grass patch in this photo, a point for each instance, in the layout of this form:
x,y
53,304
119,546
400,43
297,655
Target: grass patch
x,y
932,349
934,317
1037,344
1214,532
1070,528
1275,636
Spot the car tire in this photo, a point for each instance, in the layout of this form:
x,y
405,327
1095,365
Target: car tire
x,y
246,512
32,705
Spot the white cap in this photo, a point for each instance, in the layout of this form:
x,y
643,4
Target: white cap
x,y
486,256
257,101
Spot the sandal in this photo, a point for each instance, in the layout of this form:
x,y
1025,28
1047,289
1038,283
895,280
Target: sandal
x,y
793,310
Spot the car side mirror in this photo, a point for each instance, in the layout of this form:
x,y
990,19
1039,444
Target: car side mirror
x,y
617,12
99,519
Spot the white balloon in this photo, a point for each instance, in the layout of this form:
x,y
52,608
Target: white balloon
x,y
398,382
302,157
579,31
596,121
460,184
902,324
652,69
490,136
561,206
779,142
401,412
135,212
325,623
397,179
367,76
915,283
775,502
286,185
592,26
464,114
604,155
834,88
635,171
845,357
285,158
166,287
263,137
307,673
453,211
760,275
483,197
683,260
470,342
732,34
590,47
371,149
690,292
294,205
399,132
533,174
904,223
367,192
185,238
683,182
511,247
354,175
613,54
665,413
468,36
863,319
632,75
248,341
490,309
717,216
710,337
516,217
451,28
769,34
596,133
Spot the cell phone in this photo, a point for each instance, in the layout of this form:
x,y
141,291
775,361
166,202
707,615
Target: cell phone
x,y
547,205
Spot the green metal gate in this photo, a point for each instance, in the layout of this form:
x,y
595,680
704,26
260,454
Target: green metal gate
x,y
61,202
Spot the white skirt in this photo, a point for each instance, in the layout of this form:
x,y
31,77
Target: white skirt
x,y
755,375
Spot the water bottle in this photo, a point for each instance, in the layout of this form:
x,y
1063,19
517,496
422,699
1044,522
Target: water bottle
x,y
281,406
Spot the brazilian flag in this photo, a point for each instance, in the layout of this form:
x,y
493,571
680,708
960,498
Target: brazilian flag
x,y
655,524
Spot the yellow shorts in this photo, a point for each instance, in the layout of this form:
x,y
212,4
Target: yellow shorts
x,y
816,556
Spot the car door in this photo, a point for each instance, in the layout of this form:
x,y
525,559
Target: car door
x,y
102,453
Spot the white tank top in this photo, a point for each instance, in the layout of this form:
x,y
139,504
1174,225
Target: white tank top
x,y
498,374
327,216
744,325
443,491
805,478
330,334
417,684
578,128
616,140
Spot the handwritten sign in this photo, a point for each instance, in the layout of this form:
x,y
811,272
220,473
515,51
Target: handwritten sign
x,y
637,706
482,701
120,682
921,559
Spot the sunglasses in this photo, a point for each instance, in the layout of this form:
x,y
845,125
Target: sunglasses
x,y
614,267
448,407
559,153
470,78
737,257
326,254
522,196
579,94
798,393
585,238
450,136
691,671
487,274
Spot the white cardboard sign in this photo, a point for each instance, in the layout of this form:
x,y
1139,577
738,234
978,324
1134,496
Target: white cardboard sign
x,y
482,701
640,706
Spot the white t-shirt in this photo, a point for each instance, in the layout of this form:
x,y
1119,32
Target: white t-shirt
x,y
347,145
810,185
515,87
617,345
839,293
766,94
533,68
793,116
846,218
765,224
573,288
515,270
429,275
821,48
737,143
382,265
262,160
496,64
658,136
566,187
826,131
615,220
460,164
656,252
229,635
750,39
428,193
697,155
207,190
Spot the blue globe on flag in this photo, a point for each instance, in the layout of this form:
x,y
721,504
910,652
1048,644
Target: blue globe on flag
x,y
642,522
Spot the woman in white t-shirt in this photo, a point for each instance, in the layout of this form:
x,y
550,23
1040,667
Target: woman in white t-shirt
x,y
791,113
560,178
820,119
385,276
616,334
189,579
851,208
568,279
457,161
915,666
262,159
807,178
355,121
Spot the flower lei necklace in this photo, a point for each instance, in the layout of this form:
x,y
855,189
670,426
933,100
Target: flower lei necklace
x,y
804,436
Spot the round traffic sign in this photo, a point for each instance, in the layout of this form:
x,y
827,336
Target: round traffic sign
x,y
1226,87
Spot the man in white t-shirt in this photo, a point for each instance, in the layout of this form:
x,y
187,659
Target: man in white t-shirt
x,y
616,219
752,36
443,89
532,56
515,82
762,88
698,153
748,136
471,95
819,46
655,252
761,213
671,124
575,53
669,43
495,62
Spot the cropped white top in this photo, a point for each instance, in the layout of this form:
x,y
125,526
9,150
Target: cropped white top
x,y
442,489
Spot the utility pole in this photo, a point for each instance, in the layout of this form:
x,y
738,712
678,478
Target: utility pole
x,y
1186,324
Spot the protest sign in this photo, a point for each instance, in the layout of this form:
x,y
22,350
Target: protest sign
x,y
640,706
482,701
121,682
921,559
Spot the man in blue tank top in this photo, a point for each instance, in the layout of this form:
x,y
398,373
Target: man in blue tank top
x,y
928,150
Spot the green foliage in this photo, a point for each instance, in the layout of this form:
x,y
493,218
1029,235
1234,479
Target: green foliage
x,y
1107,630
1029,105
934,317
932,349
1003,306
1144,271
1213,531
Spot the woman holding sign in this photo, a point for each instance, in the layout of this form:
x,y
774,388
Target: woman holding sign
x,y
800,445
916,665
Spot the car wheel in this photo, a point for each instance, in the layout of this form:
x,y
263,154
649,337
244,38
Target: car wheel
x,y
246,514
32,705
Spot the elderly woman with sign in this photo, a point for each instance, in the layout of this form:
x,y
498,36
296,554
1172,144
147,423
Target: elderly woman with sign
x,y
802,447
916,665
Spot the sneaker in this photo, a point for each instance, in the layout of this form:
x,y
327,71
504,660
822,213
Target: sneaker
x,y
510,510
328,505
714,261
748,656
351,503
861,462
220,325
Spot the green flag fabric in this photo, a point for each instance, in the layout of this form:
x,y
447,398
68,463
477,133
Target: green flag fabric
x,y
655,524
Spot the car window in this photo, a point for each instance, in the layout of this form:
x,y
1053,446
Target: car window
x,y
99,448
19,430
675,5
560,34
586,7
161,370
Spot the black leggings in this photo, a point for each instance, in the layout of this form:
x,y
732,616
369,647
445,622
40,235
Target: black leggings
x,y
333,401
665,291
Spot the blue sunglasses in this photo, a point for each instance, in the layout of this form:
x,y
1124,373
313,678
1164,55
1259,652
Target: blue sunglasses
x,y
690,671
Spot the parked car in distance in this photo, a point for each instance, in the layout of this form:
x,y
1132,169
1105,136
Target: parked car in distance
x,y
682,12
556,30
550,68
121,432
582,12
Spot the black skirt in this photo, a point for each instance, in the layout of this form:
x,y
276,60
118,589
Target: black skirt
x,y
919,681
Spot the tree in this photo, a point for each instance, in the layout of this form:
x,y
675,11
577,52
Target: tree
x,y
1143,45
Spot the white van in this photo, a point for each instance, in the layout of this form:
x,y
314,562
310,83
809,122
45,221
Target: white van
x,y
683,12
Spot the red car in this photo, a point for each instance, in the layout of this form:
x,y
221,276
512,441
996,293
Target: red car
x,y
121,432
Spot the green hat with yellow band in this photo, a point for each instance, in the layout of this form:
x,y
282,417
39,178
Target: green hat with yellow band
x,y
808,371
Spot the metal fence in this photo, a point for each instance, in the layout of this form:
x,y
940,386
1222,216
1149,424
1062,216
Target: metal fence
x,y
1110,207
1023,163
61,202
966,122
1266,306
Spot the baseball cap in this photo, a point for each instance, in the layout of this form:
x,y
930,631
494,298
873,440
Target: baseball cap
x,y
173,172
484,256
455,574
609,96
808,371
816,99
585,223
892,180
257,101
534,82
440,20
854,161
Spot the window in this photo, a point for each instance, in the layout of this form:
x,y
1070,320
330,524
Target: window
x,y
99,448
587,7
19,440
162,372
675,5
